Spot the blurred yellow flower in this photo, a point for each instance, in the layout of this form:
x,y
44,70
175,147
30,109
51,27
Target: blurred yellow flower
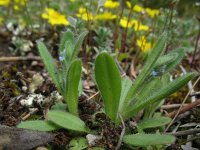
x,y
133,23
105,16
111,4
4,2
54,17
139,26
84,14
136,8
124,23
19,3
152,12
143,44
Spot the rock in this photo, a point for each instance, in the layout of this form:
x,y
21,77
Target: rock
x,y
92,138
37,81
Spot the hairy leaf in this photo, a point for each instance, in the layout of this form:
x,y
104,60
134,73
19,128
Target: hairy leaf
x,y
169,61
67,120
38,125
126,84
67,37
144,140
73,79
109,83
147,69
78,43
153,122
159,95
49,63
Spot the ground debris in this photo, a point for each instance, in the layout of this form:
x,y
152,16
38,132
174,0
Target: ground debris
x,y
14,138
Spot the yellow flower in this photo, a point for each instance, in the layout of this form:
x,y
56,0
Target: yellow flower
x,y
84,15
105,16
124,23
54,17
152,12
128,4
19,3
4,2
111,4
136,8
133,23
139,26
143,44
82,10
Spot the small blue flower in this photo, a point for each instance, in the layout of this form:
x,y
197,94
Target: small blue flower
x,y
154,73
61,57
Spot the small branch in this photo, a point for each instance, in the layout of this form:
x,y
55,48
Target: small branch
x,y
186,132
93,96
20,58
177,113
122,133
171,106
30,113
189,83
196,45
184,109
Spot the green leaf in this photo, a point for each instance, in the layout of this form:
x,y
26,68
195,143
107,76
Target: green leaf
x,y
67,120
143,140
153,122
78,44
160,94
147,69
109,83
78,144
72,21
38,125
168,62
49,63
179,52
59,106
151,108
73,79
126,85
164,60
68,36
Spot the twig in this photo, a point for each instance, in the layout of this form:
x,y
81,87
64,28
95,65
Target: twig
x,y
184,109
177,113
189,84
186,132
171,106
20,58
89,91
122,133
93,96
30,113
196,45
